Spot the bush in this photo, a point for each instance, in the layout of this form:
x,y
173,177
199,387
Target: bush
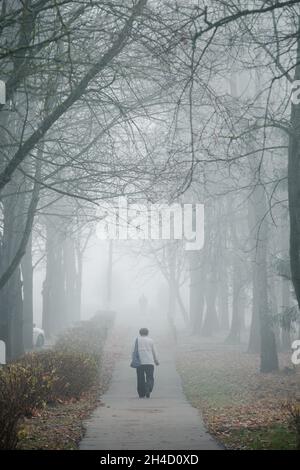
x,y
88,337
84,339
21,391
79,354
71,373
75,372
65,372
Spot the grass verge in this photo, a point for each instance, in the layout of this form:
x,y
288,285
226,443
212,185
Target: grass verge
x,y
241,407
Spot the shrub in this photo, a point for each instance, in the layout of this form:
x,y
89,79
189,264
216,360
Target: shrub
x,y
76,373
71,373
65,372
79,354
88,337
21,391
84,339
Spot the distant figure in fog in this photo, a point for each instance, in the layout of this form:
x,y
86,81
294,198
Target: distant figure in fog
x,y
144,357
143,304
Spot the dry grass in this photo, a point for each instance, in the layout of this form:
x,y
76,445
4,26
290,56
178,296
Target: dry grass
x,y
240,406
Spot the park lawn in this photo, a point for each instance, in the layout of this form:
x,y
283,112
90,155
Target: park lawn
x,y
241,408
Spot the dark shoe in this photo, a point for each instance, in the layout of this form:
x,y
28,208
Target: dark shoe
x,y
147,395
142,396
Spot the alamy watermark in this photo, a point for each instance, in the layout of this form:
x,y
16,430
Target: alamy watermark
x,y
152,222
296,352
295,95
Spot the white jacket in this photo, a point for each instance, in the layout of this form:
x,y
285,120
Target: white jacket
x,y
147,351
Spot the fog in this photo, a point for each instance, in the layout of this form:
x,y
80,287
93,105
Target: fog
x,y
132,277
150,221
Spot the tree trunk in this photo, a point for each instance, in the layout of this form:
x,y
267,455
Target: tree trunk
x,y
211,324
235,328
197,288
181,304
77,314
254,338
109,274
11,302
293,184
273,289
70,273
223,297
27,275
268,351
54,305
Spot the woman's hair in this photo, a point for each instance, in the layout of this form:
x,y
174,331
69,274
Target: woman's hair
x,y
144,331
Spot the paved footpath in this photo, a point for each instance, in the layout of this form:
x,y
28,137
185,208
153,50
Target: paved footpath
x,y
165,421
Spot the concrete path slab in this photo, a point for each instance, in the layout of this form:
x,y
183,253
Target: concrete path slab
x,y
165,421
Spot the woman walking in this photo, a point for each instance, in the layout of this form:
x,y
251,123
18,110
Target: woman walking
x,y
144,357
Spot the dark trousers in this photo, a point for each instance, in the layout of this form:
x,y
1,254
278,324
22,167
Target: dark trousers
x,y
145,379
